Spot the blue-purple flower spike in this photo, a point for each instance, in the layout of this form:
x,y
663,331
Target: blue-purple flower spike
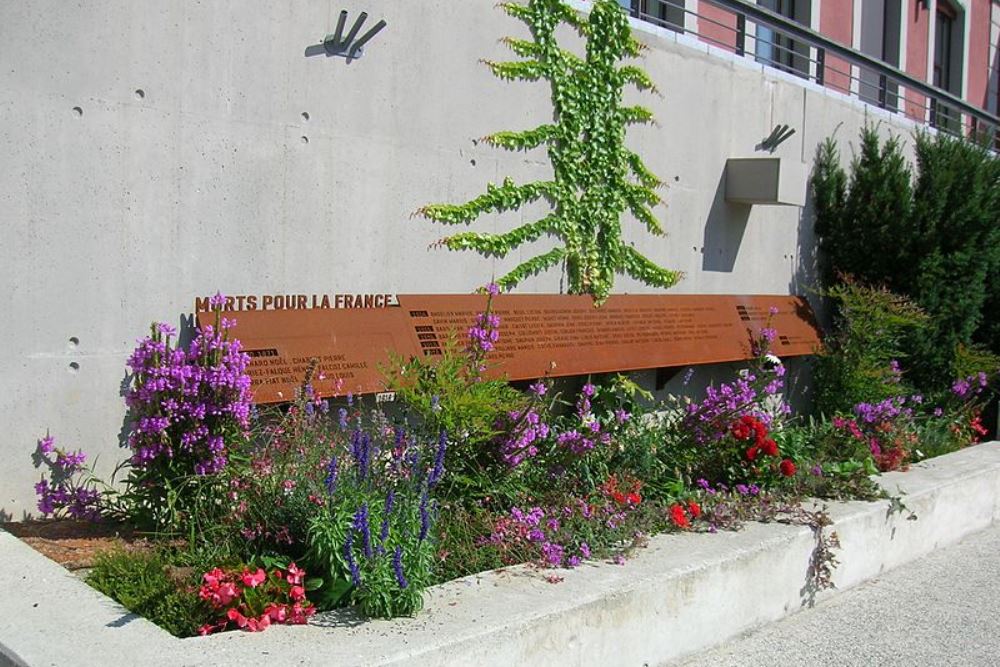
x,y
389,502
397,565
438,470
361,524
331,476
349,556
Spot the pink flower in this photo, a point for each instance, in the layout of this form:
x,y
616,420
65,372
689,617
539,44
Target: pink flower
x,y
254,580
205,629
297,593
213,576
295,574
238,618
300,614
277,612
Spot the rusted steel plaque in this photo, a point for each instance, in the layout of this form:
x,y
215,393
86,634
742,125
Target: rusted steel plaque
x,y
553,335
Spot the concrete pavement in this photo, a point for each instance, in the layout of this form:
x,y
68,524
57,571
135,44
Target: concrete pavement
x,y
943,609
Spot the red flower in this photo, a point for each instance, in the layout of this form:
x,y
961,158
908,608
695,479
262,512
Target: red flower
x,y
769,447
787,468
694,508
618,497
634,499
679,517
752,453
740,430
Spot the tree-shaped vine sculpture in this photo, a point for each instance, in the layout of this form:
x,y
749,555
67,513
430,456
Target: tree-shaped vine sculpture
x,y
596,178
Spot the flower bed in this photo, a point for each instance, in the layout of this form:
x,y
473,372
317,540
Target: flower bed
x,y
262,517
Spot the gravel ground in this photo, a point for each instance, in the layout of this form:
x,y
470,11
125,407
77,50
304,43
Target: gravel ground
x,y
943,609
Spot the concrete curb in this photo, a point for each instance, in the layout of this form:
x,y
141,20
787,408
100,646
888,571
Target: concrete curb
x,y
683,594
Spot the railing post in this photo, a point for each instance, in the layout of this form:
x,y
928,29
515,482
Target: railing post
x,y
883,88
741,34
820,65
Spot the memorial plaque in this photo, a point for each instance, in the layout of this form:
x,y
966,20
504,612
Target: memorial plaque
x,y
554,335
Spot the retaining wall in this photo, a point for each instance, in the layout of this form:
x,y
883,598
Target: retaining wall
x,y
155,151
684,593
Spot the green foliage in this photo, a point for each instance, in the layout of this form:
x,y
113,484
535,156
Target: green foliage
x,y
870,331
148,584
450,395
972,359
337,546
862,226
838,467
935,241
596,178
956,248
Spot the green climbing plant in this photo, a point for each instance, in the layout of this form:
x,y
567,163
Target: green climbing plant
x,y
596,178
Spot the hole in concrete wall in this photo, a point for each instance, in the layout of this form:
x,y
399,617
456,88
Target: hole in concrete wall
x,y
139,93
77,111
74,367
472,162
304,139
74,341
305,115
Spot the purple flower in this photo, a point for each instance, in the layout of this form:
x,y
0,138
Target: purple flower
x,y
331,476
438,470
552,554
47,444
352,564
538,388
361,524
165,329
397,566
584,550
390,499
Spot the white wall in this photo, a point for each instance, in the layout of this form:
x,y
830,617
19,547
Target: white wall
x,y
204,182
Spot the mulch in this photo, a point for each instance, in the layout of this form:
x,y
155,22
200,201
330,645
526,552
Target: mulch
x,y
72,543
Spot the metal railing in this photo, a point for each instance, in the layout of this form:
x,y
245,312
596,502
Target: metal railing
x,y
777,41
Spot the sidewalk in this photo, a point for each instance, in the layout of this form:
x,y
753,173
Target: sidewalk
x,y
943,609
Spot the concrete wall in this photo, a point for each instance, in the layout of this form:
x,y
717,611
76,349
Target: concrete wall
x,y
155,151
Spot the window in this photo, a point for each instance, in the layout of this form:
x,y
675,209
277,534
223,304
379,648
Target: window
x,y
779,50
665,13
948,70
880,20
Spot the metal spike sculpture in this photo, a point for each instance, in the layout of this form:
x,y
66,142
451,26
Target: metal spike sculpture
x,y
339,45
